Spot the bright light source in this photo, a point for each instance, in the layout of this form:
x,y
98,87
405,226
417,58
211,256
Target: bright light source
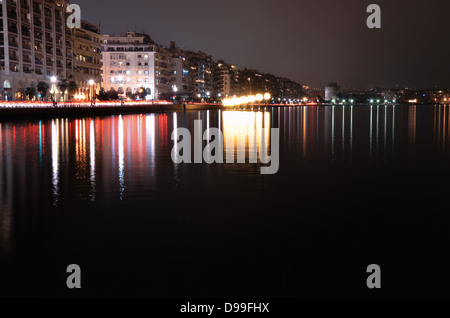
x,y
53,79
267,96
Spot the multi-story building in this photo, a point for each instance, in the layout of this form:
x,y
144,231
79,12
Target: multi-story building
x,y
192,74
183,77
133,61
201,74
35,45
226,80
87,64
290,90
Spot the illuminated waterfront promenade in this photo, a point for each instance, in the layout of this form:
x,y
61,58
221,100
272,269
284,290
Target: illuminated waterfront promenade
x,y
47,109
13,109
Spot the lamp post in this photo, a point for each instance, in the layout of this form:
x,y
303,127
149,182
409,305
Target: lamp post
x,y
259,98
267,97
91,86
175,90
53,91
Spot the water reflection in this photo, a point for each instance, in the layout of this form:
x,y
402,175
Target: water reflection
x,y
245,133
53,164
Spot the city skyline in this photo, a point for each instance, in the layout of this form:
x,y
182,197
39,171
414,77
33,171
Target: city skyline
x,y
296,44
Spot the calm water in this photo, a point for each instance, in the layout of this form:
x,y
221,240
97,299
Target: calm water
x,y
356,186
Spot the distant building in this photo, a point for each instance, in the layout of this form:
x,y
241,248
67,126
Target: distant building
x,y
192,73
226,77
183,79
290,91
201,71
35,44
332,91
133,61
87,58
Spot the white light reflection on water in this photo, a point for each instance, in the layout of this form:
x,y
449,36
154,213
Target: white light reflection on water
x,y
55,161
121,156
92,158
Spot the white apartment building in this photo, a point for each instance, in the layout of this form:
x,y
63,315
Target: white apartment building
x,y
35,44
132,61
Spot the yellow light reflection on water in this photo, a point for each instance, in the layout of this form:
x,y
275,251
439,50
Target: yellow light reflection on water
x,y
244,133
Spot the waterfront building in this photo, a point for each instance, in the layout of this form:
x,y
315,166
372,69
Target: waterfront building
x,y
192,74
332,91
132,62
226,80
35,45
183,81
201,71
87,60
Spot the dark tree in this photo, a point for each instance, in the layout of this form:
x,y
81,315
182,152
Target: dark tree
x,y
113,94
72,87
43,88
30,92
102,95
142,93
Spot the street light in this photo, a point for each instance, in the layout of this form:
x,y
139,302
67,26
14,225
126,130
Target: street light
x,y
175,90
267,97
53,91
91,84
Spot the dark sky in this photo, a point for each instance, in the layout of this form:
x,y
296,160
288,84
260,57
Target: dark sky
x,y
311,41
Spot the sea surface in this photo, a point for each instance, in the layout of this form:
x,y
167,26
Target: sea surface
x,y
356,186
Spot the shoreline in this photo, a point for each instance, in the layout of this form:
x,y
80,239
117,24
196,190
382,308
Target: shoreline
x,y
89,111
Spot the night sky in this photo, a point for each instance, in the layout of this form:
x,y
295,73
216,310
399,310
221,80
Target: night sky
x,y
313,41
